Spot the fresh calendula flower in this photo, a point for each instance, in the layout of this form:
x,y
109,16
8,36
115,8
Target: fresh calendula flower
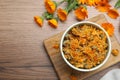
x,y
91,2
82,1
109,28
62,14
50,6
81,13
53,23
113,13
103,6
97,1
106,1
38,20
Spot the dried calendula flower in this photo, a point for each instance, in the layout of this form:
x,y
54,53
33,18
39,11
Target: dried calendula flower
x,y
53,23
38,20
50,6
81,13
62,14
113,13
73,77
109,28
115,52
103,6
56,46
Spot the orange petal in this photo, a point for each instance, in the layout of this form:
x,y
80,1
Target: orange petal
x,y
109,28
97,1
91,2
82,1
105,1
103,6
56,46
113,13
73,77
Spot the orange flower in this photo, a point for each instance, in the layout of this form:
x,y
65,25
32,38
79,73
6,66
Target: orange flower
x,y
53,23
62,14
97,1
105,1
109,28
50,6
82,1
103,6
38,20
91,2
113,13
73,77
81,13
56,46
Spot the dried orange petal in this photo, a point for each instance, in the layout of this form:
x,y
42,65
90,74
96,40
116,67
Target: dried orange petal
x,y
103,6
113,13
109,28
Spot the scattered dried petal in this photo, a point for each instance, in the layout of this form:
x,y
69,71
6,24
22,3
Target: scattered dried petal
x,y
56,46
73,77
115,52
109,28
103,6
113,13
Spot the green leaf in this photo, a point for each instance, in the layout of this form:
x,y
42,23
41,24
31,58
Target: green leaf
x,y
55,3
117,5
61,2
48,15
72,5
69,2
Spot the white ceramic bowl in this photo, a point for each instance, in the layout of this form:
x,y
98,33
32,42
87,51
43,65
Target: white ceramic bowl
x,y
80,69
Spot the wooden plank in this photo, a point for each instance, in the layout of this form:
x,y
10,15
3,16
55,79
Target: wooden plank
x,y
63,70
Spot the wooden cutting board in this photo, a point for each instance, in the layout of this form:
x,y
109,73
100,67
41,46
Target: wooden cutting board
x,y
62,69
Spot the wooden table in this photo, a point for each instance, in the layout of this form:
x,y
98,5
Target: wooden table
x,y
22,54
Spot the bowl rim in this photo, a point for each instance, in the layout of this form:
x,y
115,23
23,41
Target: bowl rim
x,y
80,69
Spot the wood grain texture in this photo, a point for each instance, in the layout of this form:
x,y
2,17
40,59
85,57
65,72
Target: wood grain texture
x,y
22,54
62,69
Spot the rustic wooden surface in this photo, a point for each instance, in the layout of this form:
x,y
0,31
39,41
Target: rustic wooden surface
x,y
22,55
64,71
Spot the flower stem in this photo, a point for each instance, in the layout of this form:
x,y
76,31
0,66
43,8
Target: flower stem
x,y
60,2
71,6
